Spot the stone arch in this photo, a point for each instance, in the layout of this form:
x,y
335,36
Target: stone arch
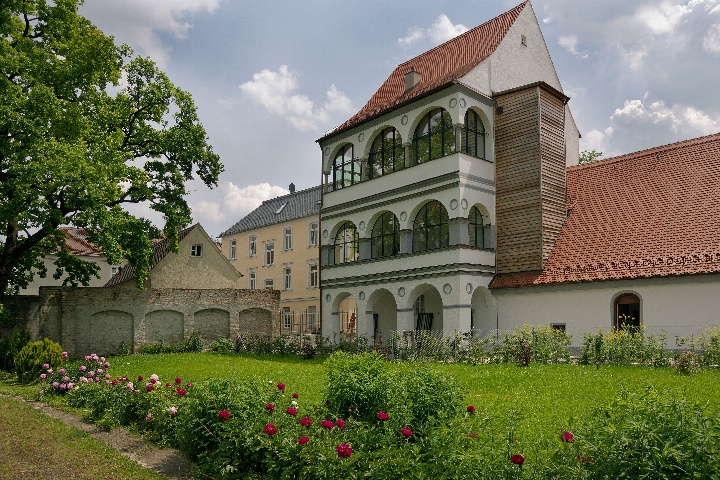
x,y
345,314
627,310
486,230
165,326
212,323
484,312
255,321
427,305
103,332
382,312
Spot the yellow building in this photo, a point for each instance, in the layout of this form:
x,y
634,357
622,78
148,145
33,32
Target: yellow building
x,y
276,246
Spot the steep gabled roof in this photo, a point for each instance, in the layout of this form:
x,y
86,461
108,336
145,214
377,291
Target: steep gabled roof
x,y
77,244
303,203
438,67
161,247
652,213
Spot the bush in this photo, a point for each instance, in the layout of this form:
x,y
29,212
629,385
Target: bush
x,y
192,344
541,344
222,345
687,363
9,347
62,378
32,357
625,347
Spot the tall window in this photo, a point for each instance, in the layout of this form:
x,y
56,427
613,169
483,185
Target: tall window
x,y
313,275
287,239
252,279
627,312
287,277
313,323
346,244
474,138
478,229
387,153
434,136
430,228
252,246
346,168
269,284
233,249
269,253
313,234
287,318
385,236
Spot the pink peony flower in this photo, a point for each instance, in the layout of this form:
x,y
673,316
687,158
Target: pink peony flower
x,y
470,409
70,386
517,459
178,380
567,437
63,386
383,416
188,385
62,371
303,440
344,450
406,432
291,411
181,392
172,411
46,366
65,379
64,355
168,384
149,387
295,395
82,368
140,378
270,429
340,423
106,364
100,371
281,386
55,384
327,424
148,416
305,421
50,371
224,414
154,378
270,407
42,376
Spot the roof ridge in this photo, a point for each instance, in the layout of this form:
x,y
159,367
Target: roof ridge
x,y
290,194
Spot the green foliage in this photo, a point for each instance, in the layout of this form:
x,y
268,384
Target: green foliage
x,y
540,344
9,347
30,359
6,318
78,144
687,363
589,156
192,344
625,347
222,345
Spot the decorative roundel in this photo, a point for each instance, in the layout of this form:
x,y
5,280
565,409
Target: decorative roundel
x,y
404,120
327,297
453,204
401,291
325,234
361,225
361,137
463,203
327,151
447,288
403,216
453,102
361,295
462,103
469,288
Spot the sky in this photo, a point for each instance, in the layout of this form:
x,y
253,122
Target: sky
x,y
271,77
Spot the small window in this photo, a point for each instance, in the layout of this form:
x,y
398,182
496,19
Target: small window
x,y
269,284
269,253
313,275
233,250
287,239
313,235
252,246
558,326
114,271
287,278
287,318
196,251
627,312
523,40
252,279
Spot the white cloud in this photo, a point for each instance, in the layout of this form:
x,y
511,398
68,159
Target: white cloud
x,y
570,43
440,31
634,57
593,140
140,23
678,118
711,41
663,18
276,91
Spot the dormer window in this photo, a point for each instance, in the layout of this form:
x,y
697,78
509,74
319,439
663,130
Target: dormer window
x,y
196,251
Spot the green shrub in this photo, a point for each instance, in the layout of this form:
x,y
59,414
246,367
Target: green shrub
x,y
625,347
30,359
192,344
222,345
687,363
541,344
9,347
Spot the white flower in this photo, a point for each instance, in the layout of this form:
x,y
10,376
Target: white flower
x,y
154,377
294,403
172,411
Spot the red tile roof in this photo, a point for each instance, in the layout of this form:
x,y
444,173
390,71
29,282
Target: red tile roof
x,y
439,67
76,242
652,213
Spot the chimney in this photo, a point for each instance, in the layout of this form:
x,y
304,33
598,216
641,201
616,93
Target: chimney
x,y
292,188
412,79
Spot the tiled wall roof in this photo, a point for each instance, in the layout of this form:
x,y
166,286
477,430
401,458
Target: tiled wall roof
x,y
438,67
652,213
76,242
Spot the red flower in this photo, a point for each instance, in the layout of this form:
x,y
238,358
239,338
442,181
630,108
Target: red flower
x,y
327,424
470,409
340,423
188,385
406,432
383,416
344,450
295,395
472,435
140,378
582,458
270,407
224,414
303,440
181,392
149,387
291,411
567,437
281,386
305,421
517,459
152,380
270,429
178,380
168,385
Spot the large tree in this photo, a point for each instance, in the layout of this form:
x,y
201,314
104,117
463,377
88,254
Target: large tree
x,y
86,128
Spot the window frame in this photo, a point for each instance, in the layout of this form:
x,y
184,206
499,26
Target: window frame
x,y
232,251
379,162
380,234
347,248
287,277
313,275
196,250
424,130
287,239
269,253
344,162
441,230
252,279
313,237
625,299
252,246
474,134
474,227
287,318
270,282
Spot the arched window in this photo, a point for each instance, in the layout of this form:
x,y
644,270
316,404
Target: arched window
x,y
346,244
387,153
434,136
386,236
346,168
479,229
430,229
474,139
626,314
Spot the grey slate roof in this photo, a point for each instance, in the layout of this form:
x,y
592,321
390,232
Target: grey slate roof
x,y
303,203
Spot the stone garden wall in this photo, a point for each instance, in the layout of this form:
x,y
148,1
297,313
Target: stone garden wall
x,y
98,320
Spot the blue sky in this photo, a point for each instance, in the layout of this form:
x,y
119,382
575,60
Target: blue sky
x,y
271,77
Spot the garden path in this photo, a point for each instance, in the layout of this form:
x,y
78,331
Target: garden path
x,y
167,462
